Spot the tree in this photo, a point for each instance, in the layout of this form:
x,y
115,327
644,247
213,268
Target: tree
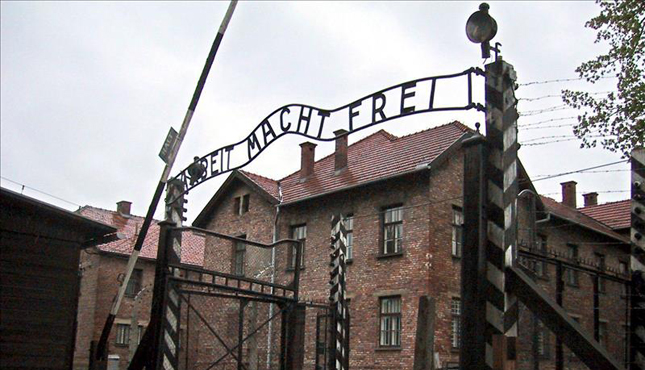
x,y
617,118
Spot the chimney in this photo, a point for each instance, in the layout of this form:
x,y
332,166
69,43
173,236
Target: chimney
x,y
307,155
591,199
340,157
123,207
569,193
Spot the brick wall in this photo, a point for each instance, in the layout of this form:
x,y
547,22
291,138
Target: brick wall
x,y
99,286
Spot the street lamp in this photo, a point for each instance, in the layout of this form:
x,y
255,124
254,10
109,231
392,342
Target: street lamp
x,y
481,28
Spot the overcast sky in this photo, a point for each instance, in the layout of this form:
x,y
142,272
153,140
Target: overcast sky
x,y
90,89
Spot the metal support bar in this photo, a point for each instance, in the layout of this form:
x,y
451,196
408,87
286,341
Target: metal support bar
x,y
559,289
210,328
102,345
472,347
554,317
596,308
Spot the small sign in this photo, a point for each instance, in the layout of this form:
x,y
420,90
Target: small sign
x,y
168,145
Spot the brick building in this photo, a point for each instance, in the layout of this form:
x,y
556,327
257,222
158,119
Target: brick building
x,y
101,269
567,234
402,199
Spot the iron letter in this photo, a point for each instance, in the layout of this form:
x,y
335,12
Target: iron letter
x,y
304,118
252,142
353,114
213,163
379,110
267,133
404,95
323,115
282,123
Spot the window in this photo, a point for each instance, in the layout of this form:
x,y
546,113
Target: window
x,y
600,261
349,227
123,334
241,204
455,310
571,276
602,333
543,341
572,356
299,233
622,269
134,285
390,319
457,231
239,254
540,266
392,230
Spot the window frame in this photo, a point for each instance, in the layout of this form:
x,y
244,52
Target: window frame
x,y
122,334
571,276
241,204
457,246
291,255
601,259
623,269
396,224
398,316
543,338
135,283
455,323
239,249
349,228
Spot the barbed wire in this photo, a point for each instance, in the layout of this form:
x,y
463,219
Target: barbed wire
x,y
546,121
559,80
543,127
544,177
40,191
545,110
560,95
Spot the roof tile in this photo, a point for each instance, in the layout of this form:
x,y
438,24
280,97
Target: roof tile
x,y
375,157
192,251
563,211
616,215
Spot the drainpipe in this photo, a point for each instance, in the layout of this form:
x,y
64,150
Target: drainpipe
x,y
271,305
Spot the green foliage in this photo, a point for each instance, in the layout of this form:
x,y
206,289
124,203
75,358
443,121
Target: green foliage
x,y
618,117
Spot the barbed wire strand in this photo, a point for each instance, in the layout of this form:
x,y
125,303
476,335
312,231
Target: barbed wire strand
x,y
40,191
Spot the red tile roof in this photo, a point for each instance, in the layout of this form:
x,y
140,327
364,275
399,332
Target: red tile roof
x,y
616,215
376,157
192,251
269,185
574,215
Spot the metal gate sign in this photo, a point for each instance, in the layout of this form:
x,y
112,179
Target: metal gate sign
x,y
408,98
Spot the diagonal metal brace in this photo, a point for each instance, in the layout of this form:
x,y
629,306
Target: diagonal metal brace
x,y
554,317
211,329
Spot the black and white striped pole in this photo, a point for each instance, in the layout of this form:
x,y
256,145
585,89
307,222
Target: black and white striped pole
x,y
502,192
637,308
338,303
500,181
170,150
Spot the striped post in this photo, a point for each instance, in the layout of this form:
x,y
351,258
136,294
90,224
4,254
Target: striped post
x,y
338,304
637,314
168,354
502,191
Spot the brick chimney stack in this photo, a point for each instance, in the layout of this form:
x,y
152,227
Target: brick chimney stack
x,y
307,158
123,207
591,199
569,193
340,156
